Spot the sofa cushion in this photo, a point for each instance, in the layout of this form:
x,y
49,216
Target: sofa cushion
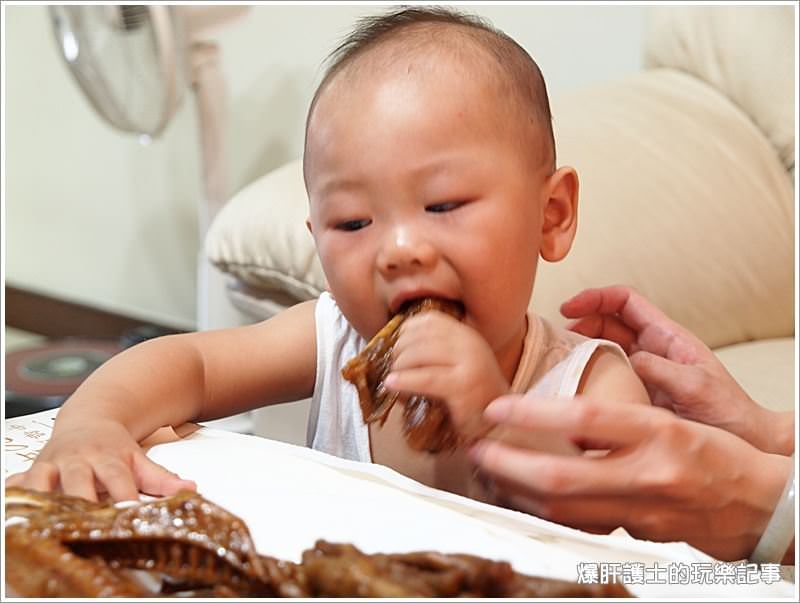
x,y
260,237
681,197
745,52
765,369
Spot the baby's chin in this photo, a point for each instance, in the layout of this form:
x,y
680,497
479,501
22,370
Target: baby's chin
x,y
366,327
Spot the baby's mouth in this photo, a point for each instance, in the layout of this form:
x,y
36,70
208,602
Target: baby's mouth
x,y
409,304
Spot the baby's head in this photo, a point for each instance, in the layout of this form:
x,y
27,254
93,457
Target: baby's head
x,y
430,169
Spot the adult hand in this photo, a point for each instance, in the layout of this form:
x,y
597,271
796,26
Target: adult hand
x,y
680,372
663,479
97,456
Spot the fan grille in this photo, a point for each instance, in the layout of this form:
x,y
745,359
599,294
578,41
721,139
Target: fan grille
x,y
125,60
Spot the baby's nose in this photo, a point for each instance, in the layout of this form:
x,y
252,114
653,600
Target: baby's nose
x,y
405,250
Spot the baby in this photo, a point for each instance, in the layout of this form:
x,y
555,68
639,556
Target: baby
x,y
430,170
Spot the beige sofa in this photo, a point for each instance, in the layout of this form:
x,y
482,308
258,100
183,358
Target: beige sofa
x,y
686,171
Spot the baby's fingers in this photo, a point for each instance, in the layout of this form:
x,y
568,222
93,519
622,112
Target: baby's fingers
x,y
422,381
77,479
156,480
117,477
42,477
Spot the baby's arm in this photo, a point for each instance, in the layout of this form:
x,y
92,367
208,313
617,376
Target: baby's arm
x,y
608,376
169,381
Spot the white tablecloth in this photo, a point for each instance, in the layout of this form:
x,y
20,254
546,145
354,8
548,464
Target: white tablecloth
x,y
291,496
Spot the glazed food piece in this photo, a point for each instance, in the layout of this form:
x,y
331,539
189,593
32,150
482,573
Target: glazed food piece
x,y
186,537
426,421
341,570
21,502
187,546
37,566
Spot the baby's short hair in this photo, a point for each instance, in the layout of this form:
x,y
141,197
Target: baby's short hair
x,y
422,26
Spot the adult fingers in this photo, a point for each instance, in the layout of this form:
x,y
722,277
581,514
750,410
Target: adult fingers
x,y
156,480
603,300
622,315
670,340
535,439
654,330
680,382
554,475
634,309
661,399
584,419
606,327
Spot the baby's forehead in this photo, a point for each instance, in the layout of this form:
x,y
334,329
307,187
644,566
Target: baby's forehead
x,y
434,69
443,60
424,49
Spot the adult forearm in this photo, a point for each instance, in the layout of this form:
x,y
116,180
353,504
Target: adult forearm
x,y
155,383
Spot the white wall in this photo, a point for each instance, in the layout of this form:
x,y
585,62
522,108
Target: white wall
x,y
94,216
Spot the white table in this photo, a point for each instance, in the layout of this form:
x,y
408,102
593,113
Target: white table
x,y
291,496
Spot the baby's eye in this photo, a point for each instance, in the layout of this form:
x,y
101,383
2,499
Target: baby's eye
x,y
438,208
351,225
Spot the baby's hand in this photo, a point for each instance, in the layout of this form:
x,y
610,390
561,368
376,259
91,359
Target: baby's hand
x,y
438,356
97,456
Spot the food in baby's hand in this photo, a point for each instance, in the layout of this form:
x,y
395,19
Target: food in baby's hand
x,y
427,423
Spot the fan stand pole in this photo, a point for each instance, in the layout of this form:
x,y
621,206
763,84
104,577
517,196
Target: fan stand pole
x,y
209,92
209,89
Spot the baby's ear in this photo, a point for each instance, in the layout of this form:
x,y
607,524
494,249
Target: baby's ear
x,y
559,214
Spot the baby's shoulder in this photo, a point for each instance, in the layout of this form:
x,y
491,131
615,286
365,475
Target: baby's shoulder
x,y
600,367
609,376
555,339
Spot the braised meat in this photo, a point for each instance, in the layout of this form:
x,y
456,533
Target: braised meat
x,y
60,546
186,537
426,421
341,570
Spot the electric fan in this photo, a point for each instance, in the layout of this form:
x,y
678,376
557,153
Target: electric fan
x,y
133,63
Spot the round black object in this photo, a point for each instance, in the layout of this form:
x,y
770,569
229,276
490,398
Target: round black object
x,y
44,376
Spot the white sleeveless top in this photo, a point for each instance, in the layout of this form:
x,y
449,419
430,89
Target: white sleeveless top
x,y
552,364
